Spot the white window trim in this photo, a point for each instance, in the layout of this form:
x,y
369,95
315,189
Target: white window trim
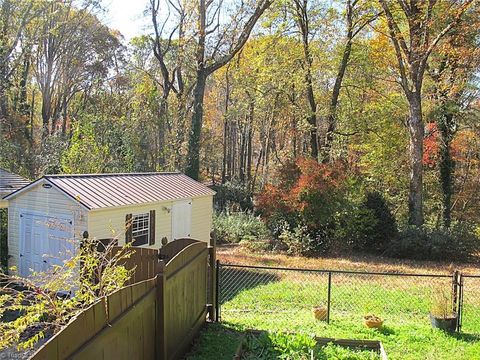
x,y
146,219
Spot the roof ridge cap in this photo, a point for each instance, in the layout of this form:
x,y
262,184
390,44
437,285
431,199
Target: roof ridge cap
x,y
50,176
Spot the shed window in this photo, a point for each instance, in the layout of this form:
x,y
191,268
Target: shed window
x,y
140,229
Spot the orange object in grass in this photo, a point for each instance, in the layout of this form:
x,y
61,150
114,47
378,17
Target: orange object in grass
x,y
373,321
320,312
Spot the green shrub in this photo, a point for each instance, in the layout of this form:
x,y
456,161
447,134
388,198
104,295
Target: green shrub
x,y
233,196
354,228
258,246
368,226
303,241
383,227
235,227
457,243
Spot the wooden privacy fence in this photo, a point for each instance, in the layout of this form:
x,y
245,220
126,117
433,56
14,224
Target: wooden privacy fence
x,y
155,318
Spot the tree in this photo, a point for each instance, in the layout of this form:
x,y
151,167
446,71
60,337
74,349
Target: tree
x,y
216,42
452,70
14,19
171,74
357,16
302,19
73,48
413,32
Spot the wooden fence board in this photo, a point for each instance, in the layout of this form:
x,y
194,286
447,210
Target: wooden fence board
x,y
155,318
185,297
114,302
79,331
99,315
123,338
186,255
48,352
174,247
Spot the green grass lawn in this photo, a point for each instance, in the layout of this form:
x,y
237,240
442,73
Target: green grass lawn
x,y
283,304
221,341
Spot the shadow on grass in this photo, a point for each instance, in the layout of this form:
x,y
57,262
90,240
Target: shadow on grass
x,y
470,338
235,280
216,341
386,330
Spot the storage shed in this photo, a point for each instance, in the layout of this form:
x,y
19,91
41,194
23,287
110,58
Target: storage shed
x,y
50,215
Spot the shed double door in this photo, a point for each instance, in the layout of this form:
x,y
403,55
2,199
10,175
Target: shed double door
x,y
44,241
181,219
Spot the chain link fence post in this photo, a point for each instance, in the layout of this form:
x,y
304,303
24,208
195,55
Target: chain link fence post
x,y
329,296
217,291
460,302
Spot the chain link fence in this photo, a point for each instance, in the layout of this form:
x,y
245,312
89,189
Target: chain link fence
x,y
470,303
285,297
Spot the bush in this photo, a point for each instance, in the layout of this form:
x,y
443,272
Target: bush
x,y
384,226
233,196
355,228
302,241
307,197
258,246
457,243
369,226
235,227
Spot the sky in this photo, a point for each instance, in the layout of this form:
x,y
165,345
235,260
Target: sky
x,y
126,16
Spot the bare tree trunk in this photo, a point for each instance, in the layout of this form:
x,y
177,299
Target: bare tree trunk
x,y
241,164
6,16
302,20
3,93
249,155
204,70
193,165
225,126
447,163
416,130
24,108
327,141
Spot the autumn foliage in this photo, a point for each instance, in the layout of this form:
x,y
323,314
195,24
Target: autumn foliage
x,y
430,145
306,190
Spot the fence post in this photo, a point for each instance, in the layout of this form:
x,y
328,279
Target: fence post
x,y
455,290
217,291
212,307
329,293
460,303
161,333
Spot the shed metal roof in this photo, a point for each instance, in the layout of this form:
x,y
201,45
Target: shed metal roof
x,y
10,182
96,191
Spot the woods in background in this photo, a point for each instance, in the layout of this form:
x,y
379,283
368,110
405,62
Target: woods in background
x,y
232,93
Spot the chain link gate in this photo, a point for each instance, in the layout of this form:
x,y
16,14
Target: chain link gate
x,y
469,304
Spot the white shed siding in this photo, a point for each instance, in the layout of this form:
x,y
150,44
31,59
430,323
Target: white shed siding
x,y
48,202
202,212
110,223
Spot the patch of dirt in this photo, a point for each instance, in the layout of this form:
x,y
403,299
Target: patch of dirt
x,y
236,254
